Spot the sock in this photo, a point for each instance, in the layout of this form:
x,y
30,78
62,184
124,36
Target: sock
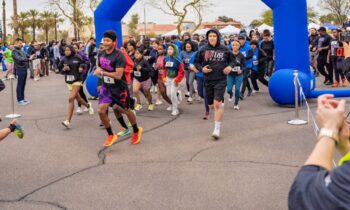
x,y
109,131
122,122
136,129
217,125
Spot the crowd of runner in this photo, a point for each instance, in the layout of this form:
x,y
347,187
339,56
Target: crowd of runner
x,y
208,66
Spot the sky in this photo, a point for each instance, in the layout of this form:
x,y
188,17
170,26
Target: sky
x,y
241,10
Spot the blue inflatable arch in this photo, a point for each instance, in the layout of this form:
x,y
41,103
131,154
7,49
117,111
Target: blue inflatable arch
x,y
291,44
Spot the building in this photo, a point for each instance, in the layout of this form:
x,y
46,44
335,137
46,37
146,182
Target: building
x,y
220,25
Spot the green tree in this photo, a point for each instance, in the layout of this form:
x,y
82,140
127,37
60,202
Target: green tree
x,y
255,23
267,17
328,18
132,25
225,19
340,8
34,21
312,15
47,23
56,17
23,23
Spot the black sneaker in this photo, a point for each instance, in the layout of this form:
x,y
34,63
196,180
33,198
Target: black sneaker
x,y
329,83
250,92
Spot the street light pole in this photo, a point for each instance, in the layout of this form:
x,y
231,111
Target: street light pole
x,y
144,13
4,21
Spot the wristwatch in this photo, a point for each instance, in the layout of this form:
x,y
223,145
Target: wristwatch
x,y
334,135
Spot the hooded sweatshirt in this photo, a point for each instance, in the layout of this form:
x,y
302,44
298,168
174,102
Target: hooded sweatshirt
x,y
74,62
248,53
217,57
193,43
142,70
173,66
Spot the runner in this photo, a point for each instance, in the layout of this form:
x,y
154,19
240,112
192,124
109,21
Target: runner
x,y
159,67
73,66
258,72
268,46
173,72
216,61
335,56
114,91
322,49
247,51
190,75
9,61
154,74
235,77
142,80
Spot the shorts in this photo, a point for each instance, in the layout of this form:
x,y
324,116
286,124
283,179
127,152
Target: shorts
x,y
70,86
215,90
116,95
36,64
145,85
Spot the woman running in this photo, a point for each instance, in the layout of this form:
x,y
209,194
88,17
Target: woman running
x,y
142,79
159,67
174,73
190,75
73,66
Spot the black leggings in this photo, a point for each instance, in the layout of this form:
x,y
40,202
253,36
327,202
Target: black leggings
x,y
338,72
81,91
322,65
260,74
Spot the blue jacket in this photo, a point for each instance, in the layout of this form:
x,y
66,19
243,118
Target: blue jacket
x,y
200,73
185,57
247,51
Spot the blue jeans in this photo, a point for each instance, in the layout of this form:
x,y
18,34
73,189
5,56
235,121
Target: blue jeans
x,y
234,80
201,92
21,83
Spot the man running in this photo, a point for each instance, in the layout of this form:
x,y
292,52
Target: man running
x,y
216,62
114,90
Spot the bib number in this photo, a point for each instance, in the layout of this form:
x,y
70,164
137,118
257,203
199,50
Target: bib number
x,y
108,80
255,63
169,64
137,74
70,78
236,69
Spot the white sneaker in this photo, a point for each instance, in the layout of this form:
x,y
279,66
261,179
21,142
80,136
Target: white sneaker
x,y
187,94
85,109
91,110
36,79
79,111
179,96
175,112
170,108
190,100
216,134
236,107
230,99
66,124
159,102
255,91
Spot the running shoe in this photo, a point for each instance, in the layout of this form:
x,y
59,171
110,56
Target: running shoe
x,y
230,99
206,116
19,131
79,111
159,102
170,108
175,112
85,109
150,107
255,91
187,94
91,110
236,107
336,84
111,139
190,100
26,101
138,107
123,132
136,137
344,83
216,134
66,124
241,97
22,103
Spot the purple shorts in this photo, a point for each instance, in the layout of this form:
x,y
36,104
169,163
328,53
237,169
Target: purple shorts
x,y
118,95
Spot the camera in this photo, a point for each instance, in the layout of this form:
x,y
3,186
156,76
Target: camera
x,y
345,36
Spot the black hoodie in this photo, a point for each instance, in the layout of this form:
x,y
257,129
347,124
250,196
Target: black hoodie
x,y
74,62
217,57
184,41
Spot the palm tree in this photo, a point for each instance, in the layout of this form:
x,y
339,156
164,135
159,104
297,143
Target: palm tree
x,y
23,23
47,22
34,21
15,19
56,20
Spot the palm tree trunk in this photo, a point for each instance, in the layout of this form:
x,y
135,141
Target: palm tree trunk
x,y
15,19
47,34
33,28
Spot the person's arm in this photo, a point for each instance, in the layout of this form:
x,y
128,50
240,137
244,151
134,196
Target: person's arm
x,y
330,115
18,57
198,61
262,56
180,74
250,54
6,131
345,65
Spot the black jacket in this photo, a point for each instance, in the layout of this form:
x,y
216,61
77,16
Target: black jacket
x,y
239,62
142,67
20,59
217,57
74,62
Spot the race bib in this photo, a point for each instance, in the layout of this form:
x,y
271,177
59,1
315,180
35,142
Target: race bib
x,y
108,80
255,63
236,69
70,78
137,74
37,53
187,60
169,64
